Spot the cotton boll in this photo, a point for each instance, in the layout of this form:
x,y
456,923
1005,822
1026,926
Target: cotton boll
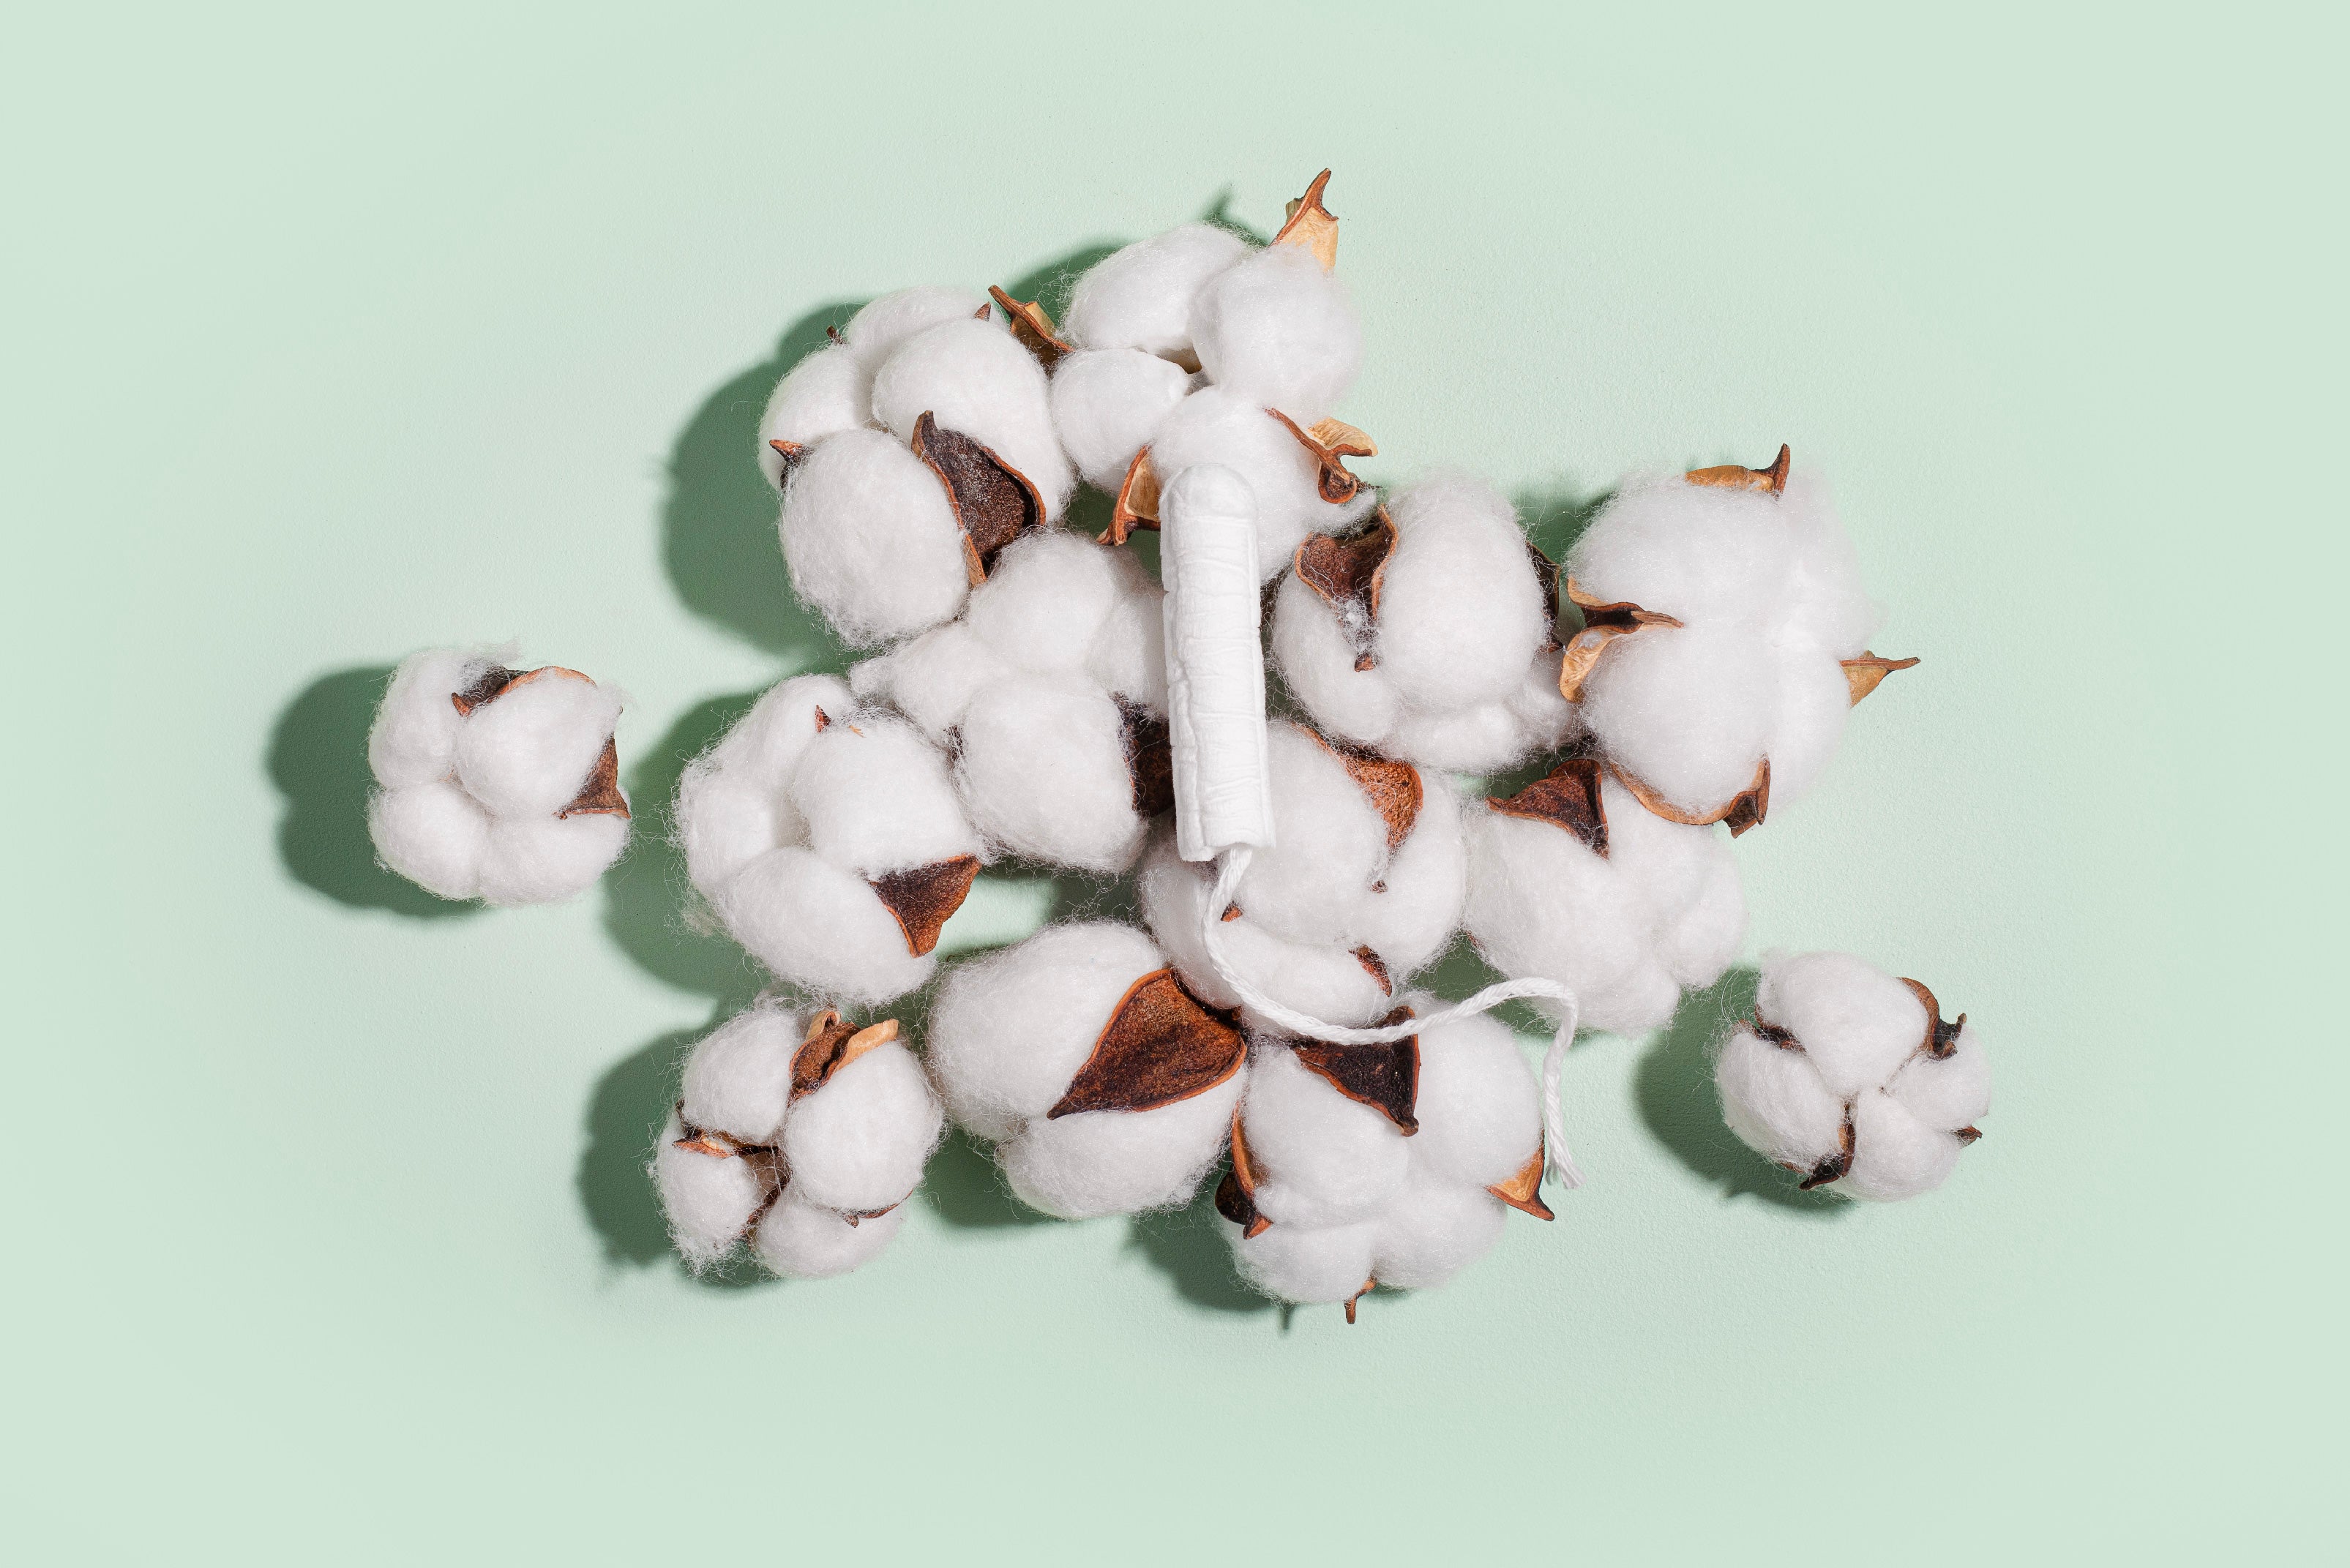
x,y
876,798
1895,1155
860,1141
1460,608
1325,980
414,738
1279,331
1107,405
871,539
802,1241
1329,844
1043,773
1046,599
876,330
1947,1092
1321,1158
1431,1231
1317,662
1687,711
1216,425
1128,655
829,391
1773,1099
710,1200
975,378
1479,1115
1093,1163
739,1078
1857,1024
1009,1032
528,753
435,835
541,859
1140,298
1697,553
1293,1263
1410,919
815,923
933,678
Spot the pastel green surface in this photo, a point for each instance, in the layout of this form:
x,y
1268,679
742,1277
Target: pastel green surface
x,y
332,340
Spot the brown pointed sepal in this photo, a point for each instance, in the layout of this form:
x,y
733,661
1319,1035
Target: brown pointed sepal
x,y
922,896
1568,796
497,681
1160,1045
600,796
1348,572
1149,758
1329,442
1369,1285
1730,476
1546,578
1393,788
1836,1166
1032,328
1384,1077
1867,673
793,453
830,1046
992,501
1376,967
1741,811
1312,228
1941,1038
1603,623
1236,1193
1137,506
1523,1191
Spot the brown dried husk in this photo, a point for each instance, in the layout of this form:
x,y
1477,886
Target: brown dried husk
x,y
1523,1191
1741,811
831,1045
1348,572
1329,442
1033,329
1603,622
1393,788
1730,476
1867,673
1160,1045
1310,226
921,898
993,501
1385,1077
1137,506
1236,1193
600,795
1568,797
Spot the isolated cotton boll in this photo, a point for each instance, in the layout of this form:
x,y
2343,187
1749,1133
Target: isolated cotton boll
x,y
1217,425
876,330
795,1135
496,784
1279,331
1852,1078
1107,403
1105,1087
828,840
1445,657
1140,298
829,391
1744,701
871,539
975,378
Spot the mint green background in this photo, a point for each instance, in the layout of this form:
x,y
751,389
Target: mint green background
x,y
329,339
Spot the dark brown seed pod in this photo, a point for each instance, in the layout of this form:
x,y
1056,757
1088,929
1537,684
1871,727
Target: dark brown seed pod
x,y
1568,796
1236,1193
1149,758
922,896
1385,1077
992,501
1162,1045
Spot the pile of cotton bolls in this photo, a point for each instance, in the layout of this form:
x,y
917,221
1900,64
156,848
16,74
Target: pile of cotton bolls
x,y
1263,1019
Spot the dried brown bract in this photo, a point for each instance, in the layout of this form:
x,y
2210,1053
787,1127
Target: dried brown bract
x,y
1730,476
992,501
922,896
1312,227
1384,1077
1149,758
1865,674
1603,624
1236,1193
1741,811
830,1046
1568,796
1393,788
1523,1191
1347,571
1137,506
793,453
1329,442
1162,1045
1941,1038
600,795
1033,329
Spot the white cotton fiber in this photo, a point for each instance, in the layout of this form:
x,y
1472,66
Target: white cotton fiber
x,y
790,820
494,799
1458,669
830,1168
1277,330
1329,886
1848,1077
876,330
1034,688
1479,1112
829,391
1659,913
1321,1158
871,539
1107,404
975,378
1768,592
1216,425
1431,1231
1140,298
1008,1036
1292,1263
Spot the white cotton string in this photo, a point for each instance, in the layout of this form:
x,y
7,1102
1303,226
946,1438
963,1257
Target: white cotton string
x,y
1229,867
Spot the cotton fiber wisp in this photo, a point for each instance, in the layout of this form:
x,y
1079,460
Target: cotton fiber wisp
x,y
1429,634
1106,1085
802,1136
911,451
1570,879
1726,636
828,839
1852,1078
1391,1165
1050,692
496,784
1362,887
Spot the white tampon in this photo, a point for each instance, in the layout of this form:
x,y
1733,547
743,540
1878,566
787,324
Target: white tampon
x,y
1215,662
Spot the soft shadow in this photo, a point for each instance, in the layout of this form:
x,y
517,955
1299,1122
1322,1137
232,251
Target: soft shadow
x,y
1674,1087
1188,1246
963,1186
1556,513
318,759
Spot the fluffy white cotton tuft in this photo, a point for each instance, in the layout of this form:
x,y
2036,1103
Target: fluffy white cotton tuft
x,y
494,783
1851,1077
1628,932
829,391
1277,330
974,376
875,332
802,822
1141,297
1218,425
1768,592
1008,1037
1049,690
815,1181
1332,921
1107,404
871,539
1344,1194
1458,669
